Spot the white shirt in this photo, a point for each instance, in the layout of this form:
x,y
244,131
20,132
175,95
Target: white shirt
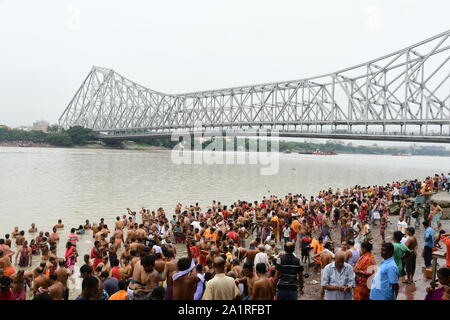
x,y
157,249
196,225
261,257
395,192
401,226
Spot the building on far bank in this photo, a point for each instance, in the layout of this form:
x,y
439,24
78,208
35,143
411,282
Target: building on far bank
x,y
41,126
4,126
24,128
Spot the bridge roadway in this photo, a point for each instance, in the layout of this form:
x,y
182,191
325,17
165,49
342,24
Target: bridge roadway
x,y
285,134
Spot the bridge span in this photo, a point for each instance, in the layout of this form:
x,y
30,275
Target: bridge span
x,y
402,96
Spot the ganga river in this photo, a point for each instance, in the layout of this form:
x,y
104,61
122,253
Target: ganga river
x,y
42,185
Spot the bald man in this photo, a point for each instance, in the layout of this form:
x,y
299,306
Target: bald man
x,y
338,279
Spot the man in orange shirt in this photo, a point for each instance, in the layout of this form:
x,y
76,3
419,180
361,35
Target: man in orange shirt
x,y
446,240
295,227
122,294
317,245
275,227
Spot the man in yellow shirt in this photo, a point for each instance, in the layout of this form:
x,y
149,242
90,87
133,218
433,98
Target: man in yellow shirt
x,y
221,287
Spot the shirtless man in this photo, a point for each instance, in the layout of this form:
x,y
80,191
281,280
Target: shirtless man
x,y
20,239
87,272
185,279
131,234
149,278
140,232
262,287
59,225
56,288
326,256
15,232
39,238
236,268
159,263
119,223
63,275
24,255
135,282
41,282
248,280
127,270
251,253
87,225
33,228
410,259
243,234
170,268
5,264
118,237
346,250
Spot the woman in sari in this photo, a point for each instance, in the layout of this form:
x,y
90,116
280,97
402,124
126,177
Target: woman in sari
x,y
443,292
363,271
71,256
18,286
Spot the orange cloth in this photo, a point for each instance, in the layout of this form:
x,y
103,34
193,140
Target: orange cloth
x,y
207,234
9,271
446,241
119,295
317,246
295,226
362,292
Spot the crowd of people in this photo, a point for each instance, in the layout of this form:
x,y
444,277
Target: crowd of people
x,y
261,250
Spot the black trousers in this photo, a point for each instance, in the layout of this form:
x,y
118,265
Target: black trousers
x,y
427,256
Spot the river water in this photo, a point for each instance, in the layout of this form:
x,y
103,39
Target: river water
x,y
42,185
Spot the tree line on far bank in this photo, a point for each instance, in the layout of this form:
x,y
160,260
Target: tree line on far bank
x,y
79,135
297,146
56,136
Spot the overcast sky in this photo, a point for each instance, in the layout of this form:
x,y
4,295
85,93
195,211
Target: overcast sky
x,y
48,47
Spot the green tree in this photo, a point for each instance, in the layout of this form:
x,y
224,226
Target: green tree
x,y
60,139
54,128
80,135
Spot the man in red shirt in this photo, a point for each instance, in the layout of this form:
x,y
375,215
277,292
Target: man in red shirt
x,y
73,238
194,250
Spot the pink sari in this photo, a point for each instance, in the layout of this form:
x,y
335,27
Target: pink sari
x,y
70,260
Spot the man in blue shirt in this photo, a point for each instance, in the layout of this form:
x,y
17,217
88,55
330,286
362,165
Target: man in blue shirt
x,y
338,279
385,283
428,238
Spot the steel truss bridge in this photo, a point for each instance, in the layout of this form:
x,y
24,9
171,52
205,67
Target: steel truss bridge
x,y
402,96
